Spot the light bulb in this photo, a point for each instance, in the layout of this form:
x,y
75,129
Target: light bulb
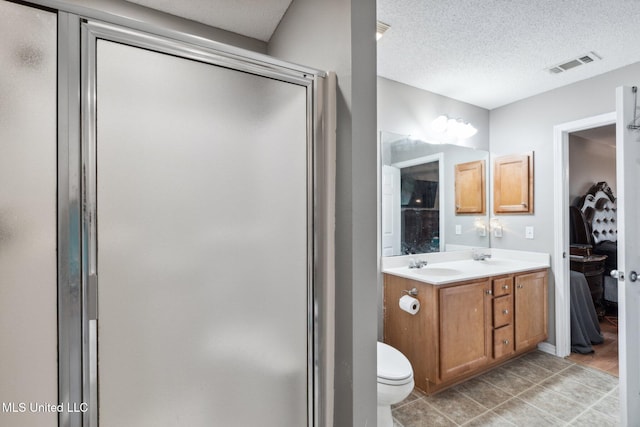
x,y
439,125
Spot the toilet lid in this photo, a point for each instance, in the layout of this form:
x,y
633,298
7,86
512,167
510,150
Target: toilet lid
x,y
393,366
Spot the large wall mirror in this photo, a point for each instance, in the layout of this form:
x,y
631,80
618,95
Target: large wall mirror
x,y
418,197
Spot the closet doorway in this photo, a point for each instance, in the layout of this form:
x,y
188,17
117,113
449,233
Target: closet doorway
x,y
592,231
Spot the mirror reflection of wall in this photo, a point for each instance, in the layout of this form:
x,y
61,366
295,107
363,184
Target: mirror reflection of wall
x,y
418,197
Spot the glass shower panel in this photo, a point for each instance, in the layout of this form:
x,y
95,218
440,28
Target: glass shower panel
x,y
28,316
202,243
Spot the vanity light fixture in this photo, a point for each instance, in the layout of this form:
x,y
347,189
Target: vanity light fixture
x,y
456,128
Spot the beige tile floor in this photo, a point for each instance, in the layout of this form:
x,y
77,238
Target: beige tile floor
x,y
535,390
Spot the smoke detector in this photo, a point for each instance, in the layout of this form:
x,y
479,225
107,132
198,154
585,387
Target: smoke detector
x,y
573,63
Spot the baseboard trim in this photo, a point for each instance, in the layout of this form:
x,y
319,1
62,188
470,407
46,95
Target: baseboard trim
x,y
547,348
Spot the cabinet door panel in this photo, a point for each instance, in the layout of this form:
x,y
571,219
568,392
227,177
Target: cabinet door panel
x,y
513,184
530,308
465,341
470,184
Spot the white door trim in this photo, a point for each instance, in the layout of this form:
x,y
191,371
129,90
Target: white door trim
x,y
561,223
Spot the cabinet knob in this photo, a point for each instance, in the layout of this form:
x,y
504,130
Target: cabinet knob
x,y
505,287
520,286
505,342
524,204
505,311
489,292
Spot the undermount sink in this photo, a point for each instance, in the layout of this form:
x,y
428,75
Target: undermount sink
x,y
437,271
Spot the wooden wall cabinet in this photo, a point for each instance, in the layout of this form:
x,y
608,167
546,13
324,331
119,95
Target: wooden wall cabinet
x,y
513,184
470,187
465,328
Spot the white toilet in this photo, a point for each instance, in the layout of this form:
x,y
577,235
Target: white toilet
x,y
395,381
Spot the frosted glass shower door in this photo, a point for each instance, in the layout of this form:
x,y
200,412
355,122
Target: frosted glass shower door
x,y
202,243
28,238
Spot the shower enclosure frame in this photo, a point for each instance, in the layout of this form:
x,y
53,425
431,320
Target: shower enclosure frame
x,y
77,280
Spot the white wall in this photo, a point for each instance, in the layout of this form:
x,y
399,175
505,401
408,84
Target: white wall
x,y
590,162
338,35
527,125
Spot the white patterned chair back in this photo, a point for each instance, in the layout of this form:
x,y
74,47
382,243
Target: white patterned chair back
x,y
600,211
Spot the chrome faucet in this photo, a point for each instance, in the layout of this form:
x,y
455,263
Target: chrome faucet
x,y
479,256
417,264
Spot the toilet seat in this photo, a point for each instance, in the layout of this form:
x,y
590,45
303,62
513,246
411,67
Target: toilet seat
x,y
393,367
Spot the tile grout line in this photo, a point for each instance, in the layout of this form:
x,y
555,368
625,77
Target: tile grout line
x,y
587,408
434,408
592,407
490,411
539,384
439,412
535,365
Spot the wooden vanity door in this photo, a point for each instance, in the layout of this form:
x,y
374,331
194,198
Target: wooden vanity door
x,y
530,309
465,341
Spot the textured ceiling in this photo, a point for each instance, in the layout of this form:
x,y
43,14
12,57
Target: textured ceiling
x,y
485,52
492,52
251,18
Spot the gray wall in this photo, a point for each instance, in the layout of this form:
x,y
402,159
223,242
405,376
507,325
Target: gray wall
x,y
407,110
528,125
590,162
337,35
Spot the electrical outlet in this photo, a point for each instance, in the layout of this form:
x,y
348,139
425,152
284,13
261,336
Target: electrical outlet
x,y
528,232
458,229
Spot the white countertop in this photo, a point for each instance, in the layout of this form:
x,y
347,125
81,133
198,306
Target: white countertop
x,y
450,267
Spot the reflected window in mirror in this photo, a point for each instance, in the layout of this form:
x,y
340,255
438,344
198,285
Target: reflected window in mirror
x,y
419,208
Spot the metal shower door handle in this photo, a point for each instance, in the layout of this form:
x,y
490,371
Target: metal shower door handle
x,y
617,275
633,276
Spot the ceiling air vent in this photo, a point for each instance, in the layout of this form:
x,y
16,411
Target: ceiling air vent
x,y
381,28
573,63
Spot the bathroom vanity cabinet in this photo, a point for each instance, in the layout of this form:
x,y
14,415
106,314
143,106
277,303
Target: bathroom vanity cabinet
x,y
467,327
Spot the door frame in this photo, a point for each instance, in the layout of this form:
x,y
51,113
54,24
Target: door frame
x,y
561,223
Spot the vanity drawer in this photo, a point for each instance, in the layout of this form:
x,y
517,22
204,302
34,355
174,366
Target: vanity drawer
x,y
503,342
502,311
502,286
